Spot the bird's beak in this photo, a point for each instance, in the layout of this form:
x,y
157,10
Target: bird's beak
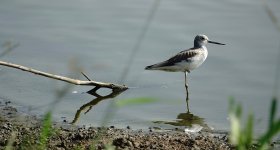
x,y
215,43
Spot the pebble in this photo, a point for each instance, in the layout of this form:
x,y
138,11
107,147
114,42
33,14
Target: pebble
x,y
68,138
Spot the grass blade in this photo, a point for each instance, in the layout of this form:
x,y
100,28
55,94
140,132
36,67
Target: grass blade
x,y
46,130
135,101
249,130
272,112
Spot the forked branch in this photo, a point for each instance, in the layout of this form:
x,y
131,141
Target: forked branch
x,y
114,87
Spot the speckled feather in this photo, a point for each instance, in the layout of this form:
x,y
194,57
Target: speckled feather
x,y
183,57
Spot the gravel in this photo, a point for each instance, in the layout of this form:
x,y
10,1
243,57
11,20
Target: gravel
x,y
26,129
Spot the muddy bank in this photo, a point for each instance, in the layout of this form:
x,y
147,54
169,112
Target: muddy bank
x,y
26,129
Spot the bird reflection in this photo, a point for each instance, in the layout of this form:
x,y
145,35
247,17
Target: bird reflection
x,y
186,119
88,106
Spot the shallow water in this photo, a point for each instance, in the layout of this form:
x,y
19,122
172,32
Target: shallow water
x,y
100,36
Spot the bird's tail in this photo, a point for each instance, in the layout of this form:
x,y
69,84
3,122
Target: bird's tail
x,y
149,67
157,66
154,66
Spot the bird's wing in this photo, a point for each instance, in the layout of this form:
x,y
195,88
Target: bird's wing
x,y
185,55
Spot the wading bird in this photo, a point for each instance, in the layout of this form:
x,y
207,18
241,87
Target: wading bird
x,y
186,60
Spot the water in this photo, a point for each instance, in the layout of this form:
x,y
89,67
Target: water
x,y
100,36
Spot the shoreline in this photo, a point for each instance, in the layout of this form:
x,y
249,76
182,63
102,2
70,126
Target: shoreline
x,y
27,129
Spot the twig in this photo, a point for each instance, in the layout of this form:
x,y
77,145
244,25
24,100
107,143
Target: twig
x,y
86,76
66,79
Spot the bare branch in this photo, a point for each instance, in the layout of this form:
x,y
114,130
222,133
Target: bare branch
x,y
66,79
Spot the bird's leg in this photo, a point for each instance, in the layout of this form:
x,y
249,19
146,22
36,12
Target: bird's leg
x,y
187,90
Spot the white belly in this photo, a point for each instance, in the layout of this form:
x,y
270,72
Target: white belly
x,y
193,63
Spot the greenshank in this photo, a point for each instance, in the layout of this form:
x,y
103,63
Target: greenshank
x,y
187,60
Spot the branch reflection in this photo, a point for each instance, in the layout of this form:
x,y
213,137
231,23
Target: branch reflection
x,y
88,106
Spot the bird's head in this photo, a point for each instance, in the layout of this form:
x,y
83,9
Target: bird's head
x,y
202,40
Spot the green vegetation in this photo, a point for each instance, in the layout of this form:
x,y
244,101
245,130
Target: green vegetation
x,y
135,101
242,138
45,131
273,128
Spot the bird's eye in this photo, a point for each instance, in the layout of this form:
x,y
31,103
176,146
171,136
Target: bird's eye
x,y
202,38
